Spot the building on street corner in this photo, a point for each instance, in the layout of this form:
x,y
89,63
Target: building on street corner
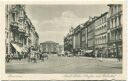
x,y
18,30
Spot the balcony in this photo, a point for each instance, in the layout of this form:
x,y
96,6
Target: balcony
x,y
14,26
16,42
27,34
15,10
21,30
21,19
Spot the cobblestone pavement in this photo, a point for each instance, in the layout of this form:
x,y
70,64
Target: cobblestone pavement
x,y
57,64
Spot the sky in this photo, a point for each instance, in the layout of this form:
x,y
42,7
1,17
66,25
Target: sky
x,y
52,22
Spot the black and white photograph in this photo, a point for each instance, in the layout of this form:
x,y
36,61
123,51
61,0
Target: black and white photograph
x,y
64,39
63,80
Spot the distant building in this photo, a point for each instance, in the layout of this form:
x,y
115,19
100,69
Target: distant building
x,y
49,47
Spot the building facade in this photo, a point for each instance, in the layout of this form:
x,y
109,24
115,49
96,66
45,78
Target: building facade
x,y
84,43
34,38
17,30
101,33
49,47
77,37
115,30
68,40
91,33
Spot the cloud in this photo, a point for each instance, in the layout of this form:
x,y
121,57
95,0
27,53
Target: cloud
x,y
62,23
56,28
68,14
52,35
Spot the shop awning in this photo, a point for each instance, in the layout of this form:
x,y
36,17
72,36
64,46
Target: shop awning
x,y
17,47
24,49
88,51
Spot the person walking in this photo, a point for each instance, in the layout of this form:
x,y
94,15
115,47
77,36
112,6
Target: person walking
x,y
96,53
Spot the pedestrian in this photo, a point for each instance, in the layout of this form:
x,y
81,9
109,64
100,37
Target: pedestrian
x,y
101,56
119,57
40,55
96,53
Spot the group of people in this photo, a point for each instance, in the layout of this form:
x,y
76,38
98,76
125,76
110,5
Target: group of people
x,y
98,53
33,56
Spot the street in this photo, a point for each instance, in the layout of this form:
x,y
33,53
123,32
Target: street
x,y
57,64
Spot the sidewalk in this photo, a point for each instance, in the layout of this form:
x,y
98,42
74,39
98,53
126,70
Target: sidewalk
x,y
23,61
109,59
103,59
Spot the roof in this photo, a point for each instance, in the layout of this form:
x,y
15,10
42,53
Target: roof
x,y
102,15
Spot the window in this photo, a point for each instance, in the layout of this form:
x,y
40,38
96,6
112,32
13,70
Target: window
x,y
7,49
7,34
119,20
105,19
111,10
120,7
13,16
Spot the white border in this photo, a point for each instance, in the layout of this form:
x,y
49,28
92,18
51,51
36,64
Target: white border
x,y
91,76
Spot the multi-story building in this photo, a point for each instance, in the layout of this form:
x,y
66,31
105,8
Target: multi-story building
x,y
17,30
84,37
77,37
49,47
91,33
28,31
115,30
15,40
87,35
34,38
101,33
68,40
